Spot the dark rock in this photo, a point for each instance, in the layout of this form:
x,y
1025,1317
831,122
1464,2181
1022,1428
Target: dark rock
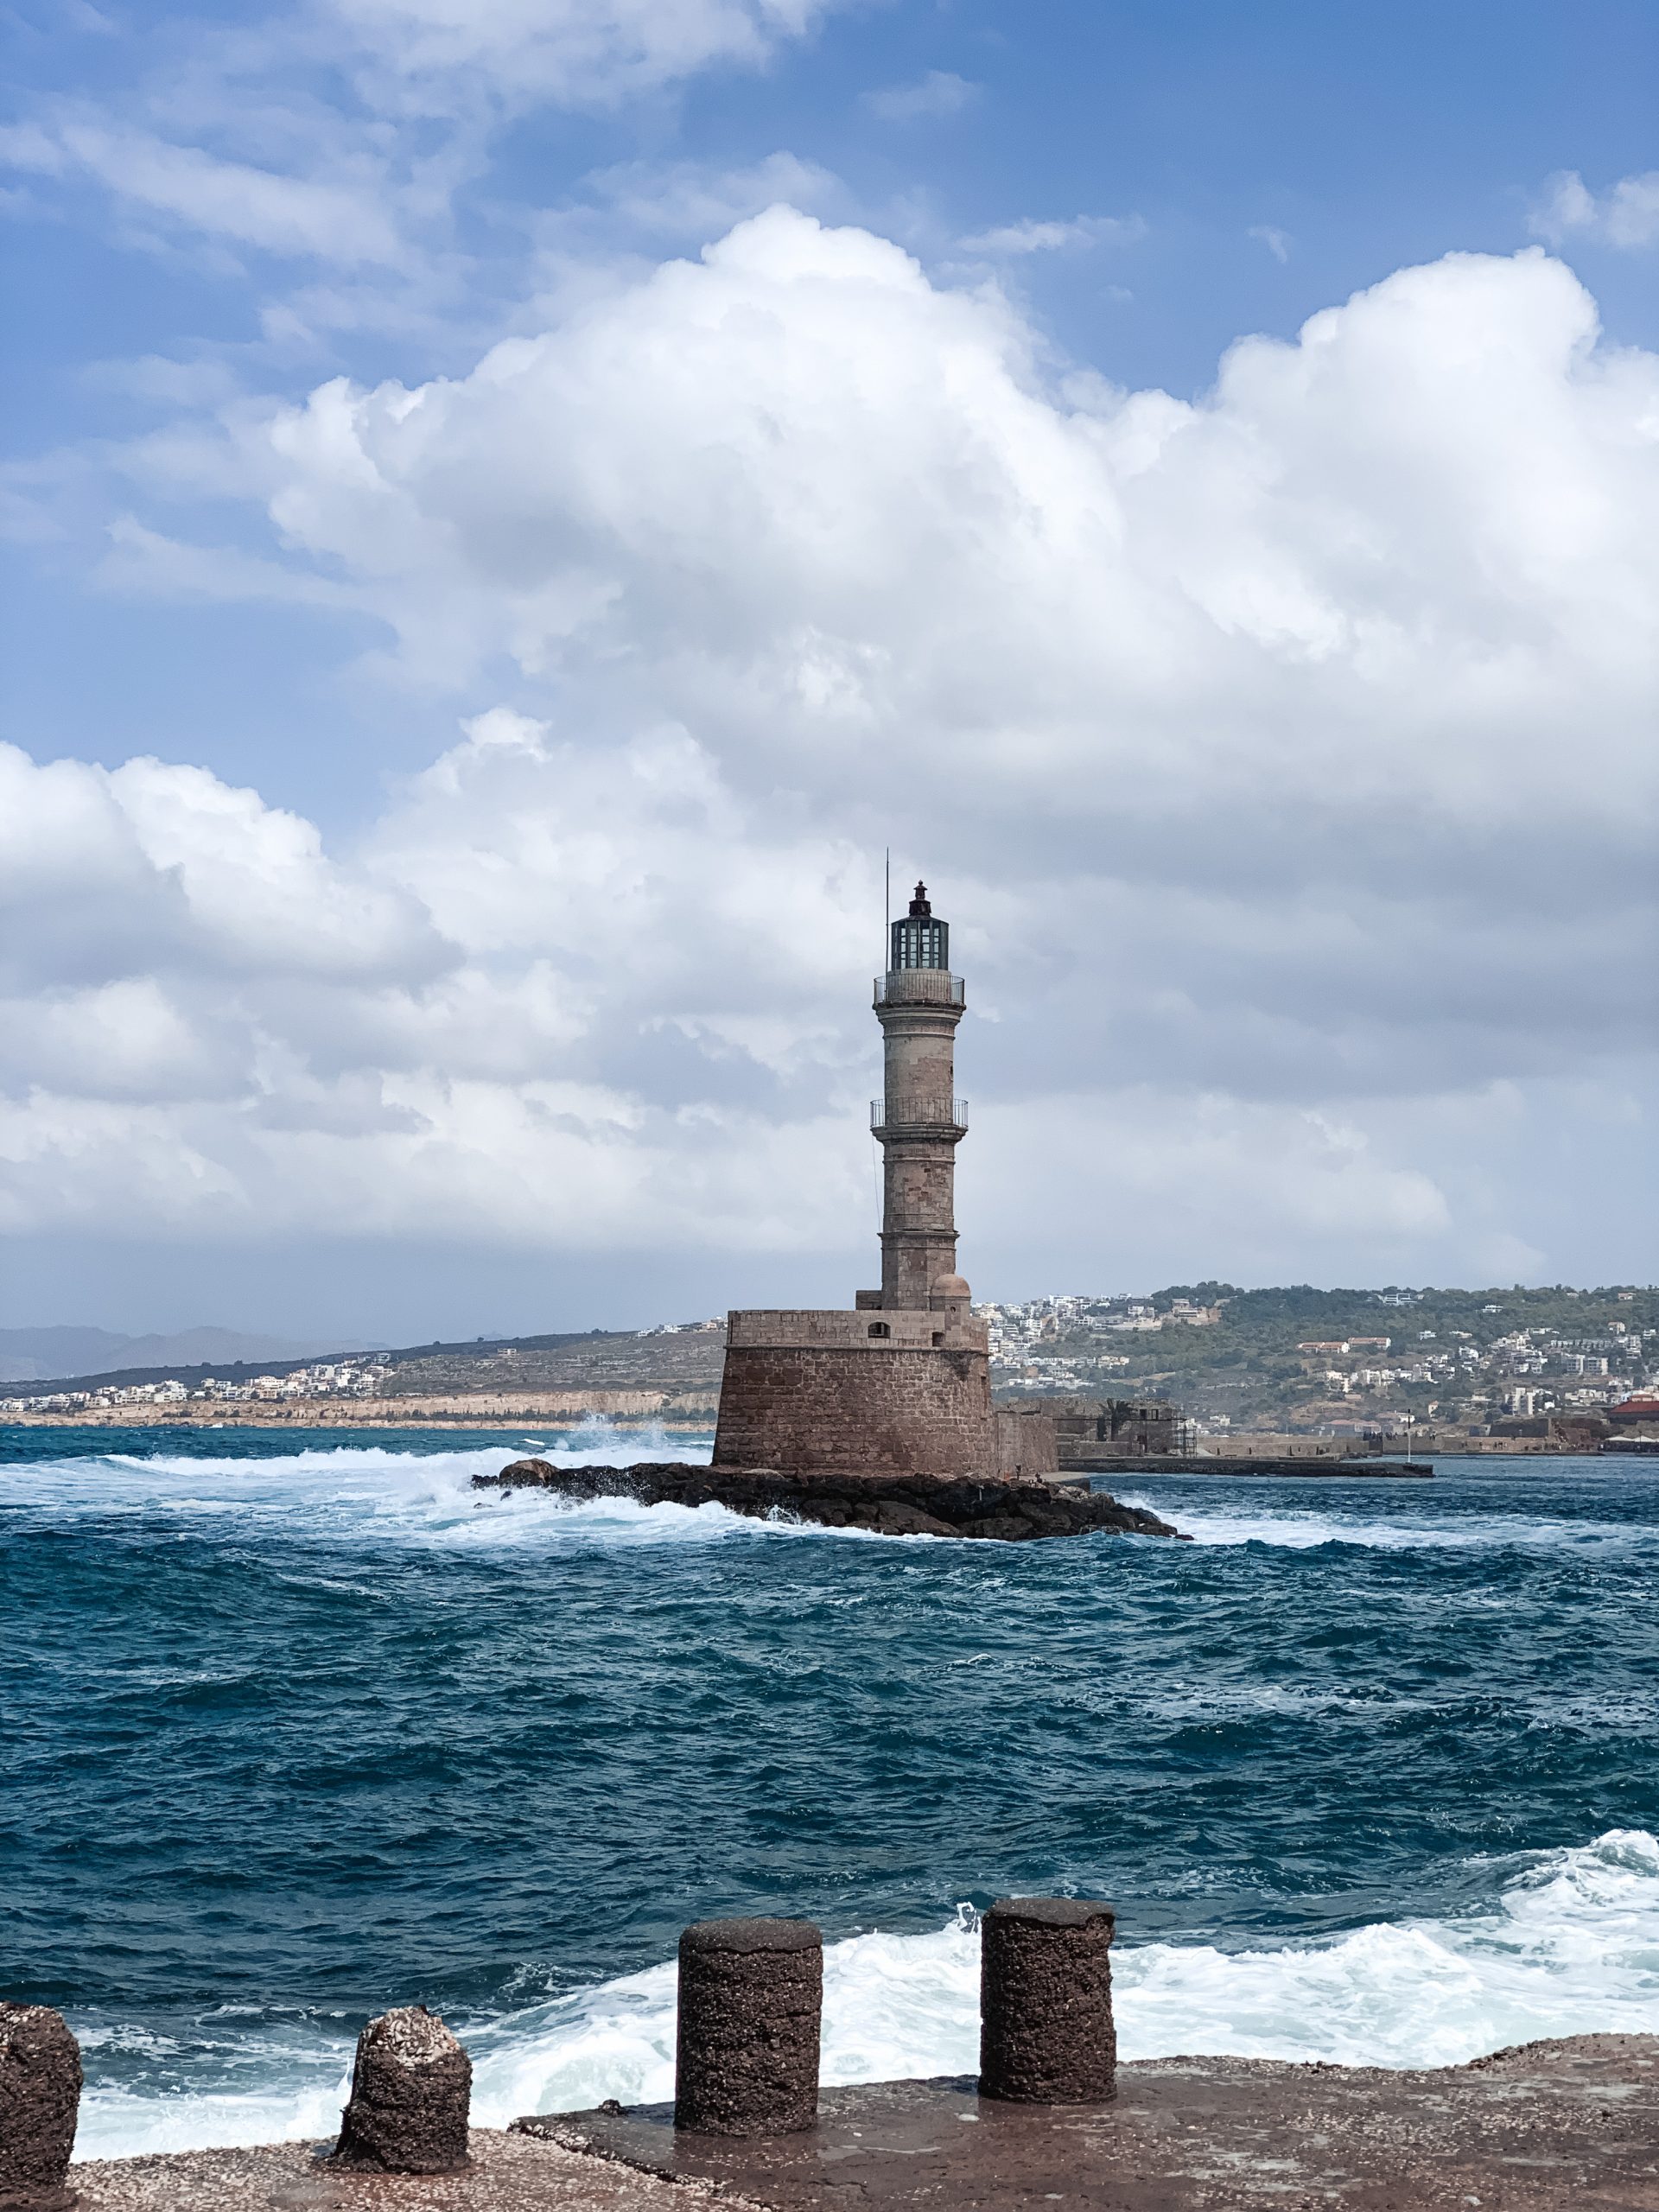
x,y
1004,1508
751,2006
40,2097
411,2091
1046,2036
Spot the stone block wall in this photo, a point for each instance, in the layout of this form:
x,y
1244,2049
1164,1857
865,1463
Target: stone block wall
x,y
858,1405
881,1329
1026,1441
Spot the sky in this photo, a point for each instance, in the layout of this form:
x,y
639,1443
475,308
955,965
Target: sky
x,y
514,507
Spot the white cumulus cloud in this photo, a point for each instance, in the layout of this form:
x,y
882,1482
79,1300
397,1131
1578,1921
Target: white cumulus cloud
x,y
1283,757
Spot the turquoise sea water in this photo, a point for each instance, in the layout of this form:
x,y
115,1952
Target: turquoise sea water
x,y
290,1735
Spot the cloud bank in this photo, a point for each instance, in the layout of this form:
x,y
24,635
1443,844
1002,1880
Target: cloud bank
x,y
1284,760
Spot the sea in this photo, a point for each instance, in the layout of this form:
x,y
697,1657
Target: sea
x,y
293,1730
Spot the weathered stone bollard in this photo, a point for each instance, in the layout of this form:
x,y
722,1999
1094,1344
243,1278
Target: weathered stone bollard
x,y
40,2097
751,2006
1045,2032
412,2090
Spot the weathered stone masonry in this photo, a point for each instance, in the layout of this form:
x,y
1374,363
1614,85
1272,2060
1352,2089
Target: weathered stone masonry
x,y
901,1412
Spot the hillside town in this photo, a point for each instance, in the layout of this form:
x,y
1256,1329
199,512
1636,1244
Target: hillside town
x,y
1484,1363
1521,1365
324,1379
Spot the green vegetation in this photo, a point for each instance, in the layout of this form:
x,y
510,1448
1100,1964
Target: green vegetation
x,y
1463,1352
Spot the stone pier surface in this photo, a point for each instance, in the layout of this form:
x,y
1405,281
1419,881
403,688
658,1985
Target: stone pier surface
x,y
1009,1508
508,2173
1562,2126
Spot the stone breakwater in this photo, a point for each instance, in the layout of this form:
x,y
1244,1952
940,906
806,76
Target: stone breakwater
x,y
1004,1508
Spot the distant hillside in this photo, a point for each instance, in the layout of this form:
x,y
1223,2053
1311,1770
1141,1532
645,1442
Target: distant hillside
x,y
69,1354
673,1359
1294,1358
684,1358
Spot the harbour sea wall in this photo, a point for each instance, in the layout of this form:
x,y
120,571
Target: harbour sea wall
x,y
692,1415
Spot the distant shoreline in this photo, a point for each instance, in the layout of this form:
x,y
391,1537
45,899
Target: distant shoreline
x,y
379,1413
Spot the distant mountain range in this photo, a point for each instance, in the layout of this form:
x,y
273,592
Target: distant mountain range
x,y
42,1355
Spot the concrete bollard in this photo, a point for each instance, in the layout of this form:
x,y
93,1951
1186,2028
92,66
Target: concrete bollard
x,y
751,2007
412,2090
1045,2032
40,2097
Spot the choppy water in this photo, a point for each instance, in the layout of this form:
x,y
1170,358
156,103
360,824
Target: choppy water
x,y
1368,1770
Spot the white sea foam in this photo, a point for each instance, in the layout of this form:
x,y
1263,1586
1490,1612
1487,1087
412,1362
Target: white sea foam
x,y
1569,1947
369,1494
355,1494
1297,1530
301,2101
352,1492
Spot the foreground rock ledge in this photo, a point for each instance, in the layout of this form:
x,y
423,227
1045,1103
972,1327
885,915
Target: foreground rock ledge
x,y
1007,1509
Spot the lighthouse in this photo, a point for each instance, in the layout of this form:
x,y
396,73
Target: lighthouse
x,y
900,1383
919,1119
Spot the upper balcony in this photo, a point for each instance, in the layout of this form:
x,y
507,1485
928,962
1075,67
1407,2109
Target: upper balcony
x,y
932,1116
918,987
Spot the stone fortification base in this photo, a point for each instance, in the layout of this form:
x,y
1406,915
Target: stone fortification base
x,y
810,1390
1564,2126
1008,1509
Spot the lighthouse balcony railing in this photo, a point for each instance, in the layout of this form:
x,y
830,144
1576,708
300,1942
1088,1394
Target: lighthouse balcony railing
x,y
894,1114
918,987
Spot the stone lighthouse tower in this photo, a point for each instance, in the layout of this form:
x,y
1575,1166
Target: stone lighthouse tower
x,y
919,1118
900,1383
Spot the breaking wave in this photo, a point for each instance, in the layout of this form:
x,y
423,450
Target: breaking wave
x,y
1238,1516
347,1732
377,1494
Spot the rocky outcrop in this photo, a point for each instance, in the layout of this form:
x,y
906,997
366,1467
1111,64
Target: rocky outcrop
x,y
1008,1509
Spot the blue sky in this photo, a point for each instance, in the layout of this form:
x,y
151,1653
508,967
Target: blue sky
x,y
350,344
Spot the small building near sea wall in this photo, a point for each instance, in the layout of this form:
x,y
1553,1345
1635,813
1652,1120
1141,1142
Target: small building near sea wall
x,y
1115,1428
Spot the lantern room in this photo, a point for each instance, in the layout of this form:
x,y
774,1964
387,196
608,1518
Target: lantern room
x,y
919,940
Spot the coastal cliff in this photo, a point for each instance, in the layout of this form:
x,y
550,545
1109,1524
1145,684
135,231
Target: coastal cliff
x,y
1005,1509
